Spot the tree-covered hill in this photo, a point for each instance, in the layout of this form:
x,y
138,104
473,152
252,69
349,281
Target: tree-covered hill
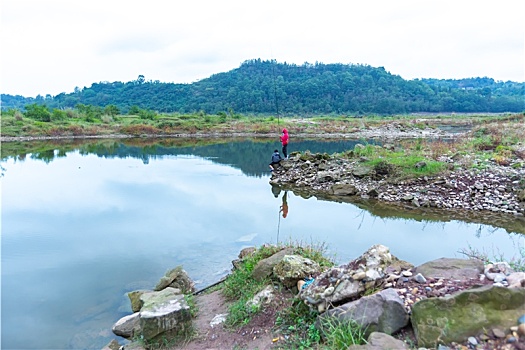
x,y
269,87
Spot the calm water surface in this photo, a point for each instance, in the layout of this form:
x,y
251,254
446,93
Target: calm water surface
x,y
83,225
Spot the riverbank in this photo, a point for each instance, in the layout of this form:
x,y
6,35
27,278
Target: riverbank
x,y
265,303
495,188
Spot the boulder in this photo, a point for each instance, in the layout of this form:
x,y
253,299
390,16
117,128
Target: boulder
x,y
380,341
128,326
134,298
163,311
455,318
380,312
361,171
176,278
325,176
343,190
292,268
347,282
450,268
264,267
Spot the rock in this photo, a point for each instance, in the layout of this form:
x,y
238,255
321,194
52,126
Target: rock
x,y
218,319
344,190
135,345
373,263
380,341
516,279
361,171
264,297
134,298
292,268
380,312
245,252
456,317
176,278
419,278
163,311
127,326
498,333
264,267
420,165
451,268
521,196
112,345
521,330
325,176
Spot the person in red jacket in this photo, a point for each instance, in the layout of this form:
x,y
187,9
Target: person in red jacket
x,y
284,140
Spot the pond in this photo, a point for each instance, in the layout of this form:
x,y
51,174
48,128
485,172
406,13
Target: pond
x,y
85,222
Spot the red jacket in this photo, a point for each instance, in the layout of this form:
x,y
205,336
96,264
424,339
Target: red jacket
x,y
284,137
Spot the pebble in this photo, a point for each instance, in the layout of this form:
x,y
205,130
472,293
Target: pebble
x,y
498,333
420,278
521,330
472,341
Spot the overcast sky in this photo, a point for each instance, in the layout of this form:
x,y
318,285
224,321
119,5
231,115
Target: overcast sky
x,y
53,46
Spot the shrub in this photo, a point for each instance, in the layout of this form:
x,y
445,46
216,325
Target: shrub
x,y
38,112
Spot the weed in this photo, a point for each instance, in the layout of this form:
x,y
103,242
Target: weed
x,y
340,334
516,263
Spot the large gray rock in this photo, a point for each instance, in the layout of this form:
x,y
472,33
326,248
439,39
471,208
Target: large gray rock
x,y
347,282
451,268
455,318
380,312
163,311
344,190
176,278
381,341
293,268
264,267
127,326
361,171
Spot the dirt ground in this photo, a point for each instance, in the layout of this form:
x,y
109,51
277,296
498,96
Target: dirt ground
x,y
257,335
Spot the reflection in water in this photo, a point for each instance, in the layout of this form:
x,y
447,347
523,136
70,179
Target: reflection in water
x,y
284,206
98,221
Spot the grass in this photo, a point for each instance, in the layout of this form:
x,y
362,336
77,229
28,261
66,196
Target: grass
x,y
517,263
296,322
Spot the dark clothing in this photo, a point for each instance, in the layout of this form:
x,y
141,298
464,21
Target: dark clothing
x,y
276,159
285,151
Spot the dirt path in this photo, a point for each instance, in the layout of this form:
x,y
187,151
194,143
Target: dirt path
x,y
257,336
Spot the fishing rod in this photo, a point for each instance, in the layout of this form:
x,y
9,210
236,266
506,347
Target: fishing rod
x,y
275,91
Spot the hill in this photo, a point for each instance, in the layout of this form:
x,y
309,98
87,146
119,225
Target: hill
x,y
269,87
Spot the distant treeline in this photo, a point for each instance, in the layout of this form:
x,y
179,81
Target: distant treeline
x,y
269,87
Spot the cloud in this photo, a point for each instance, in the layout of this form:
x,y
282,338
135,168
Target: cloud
x,y
52,46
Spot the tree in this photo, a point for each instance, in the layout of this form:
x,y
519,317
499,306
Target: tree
x,y
38,112
111,110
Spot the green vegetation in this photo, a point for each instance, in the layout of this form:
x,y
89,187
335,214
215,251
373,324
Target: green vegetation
x,y
264,87
295,322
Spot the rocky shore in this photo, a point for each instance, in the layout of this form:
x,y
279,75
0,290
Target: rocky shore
x,y
494,188
443,304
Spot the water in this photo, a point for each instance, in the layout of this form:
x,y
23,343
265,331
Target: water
x,y
85,223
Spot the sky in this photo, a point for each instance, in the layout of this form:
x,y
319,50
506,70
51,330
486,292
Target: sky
x,y
53,46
